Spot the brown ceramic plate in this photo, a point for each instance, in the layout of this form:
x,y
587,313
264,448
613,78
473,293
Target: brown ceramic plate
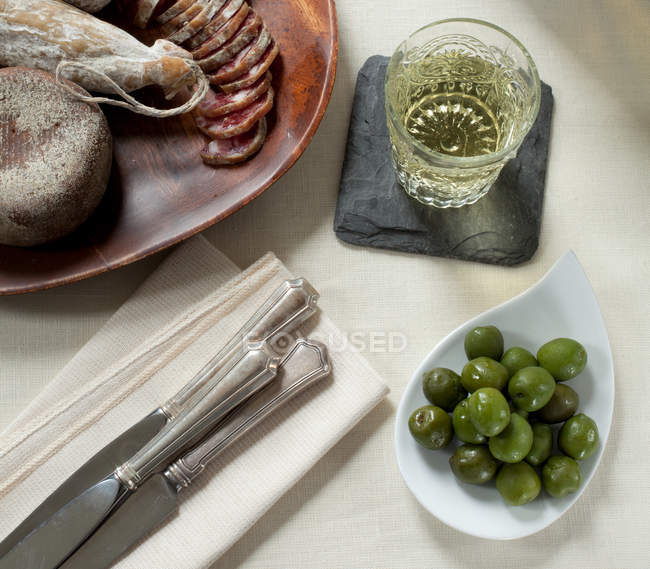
x,y
161,192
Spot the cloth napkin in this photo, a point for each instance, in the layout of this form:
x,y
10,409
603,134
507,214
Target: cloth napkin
x,y
159,338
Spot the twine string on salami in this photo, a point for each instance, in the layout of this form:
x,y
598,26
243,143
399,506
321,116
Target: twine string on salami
x,y
130,102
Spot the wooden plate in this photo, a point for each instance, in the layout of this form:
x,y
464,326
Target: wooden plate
x,y
160,191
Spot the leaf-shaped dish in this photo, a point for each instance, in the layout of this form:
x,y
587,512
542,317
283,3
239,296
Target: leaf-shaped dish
x,y
562,304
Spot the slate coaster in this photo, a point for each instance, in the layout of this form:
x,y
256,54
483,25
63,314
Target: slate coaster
x,y
373,210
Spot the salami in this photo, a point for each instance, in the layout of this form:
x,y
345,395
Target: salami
x,y
236,149
223,34
96,49
196,24
91,6
229,10
254,73
243,61
144,10
217,104
246,37
174,10
177,23
236,122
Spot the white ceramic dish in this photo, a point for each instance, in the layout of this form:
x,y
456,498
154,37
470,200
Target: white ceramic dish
x,y
562,304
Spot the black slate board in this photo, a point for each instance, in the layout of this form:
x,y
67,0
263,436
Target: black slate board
x,y
501,228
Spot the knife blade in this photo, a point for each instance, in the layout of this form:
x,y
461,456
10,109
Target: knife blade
x,y
59,536
157,499
290,305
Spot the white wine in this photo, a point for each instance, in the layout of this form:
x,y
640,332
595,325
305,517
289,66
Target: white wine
x,y
455,109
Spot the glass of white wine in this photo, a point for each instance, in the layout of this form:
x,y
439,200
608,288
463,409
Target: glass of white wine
x,y
461,95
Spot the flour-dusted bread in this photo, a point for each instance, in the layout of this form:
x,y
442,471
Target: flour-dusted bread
x,y
55,157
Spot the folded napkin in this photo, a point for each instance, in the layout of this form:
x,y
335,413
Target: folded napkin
x,y
171,326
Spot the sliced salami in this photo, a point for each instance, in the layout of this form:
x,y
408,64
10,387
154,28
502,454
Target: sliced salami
x,y
228,11
246,37
236,122
218,104
196,24
183,18
242,62
255,72
223,34
174,10
236,149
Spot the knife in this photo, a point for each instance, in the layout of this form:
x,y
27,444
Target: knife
x,y
59,536
157,498
291,304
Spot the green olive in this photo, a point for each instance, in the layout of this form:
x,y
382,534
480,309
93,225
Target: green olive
x,y
484,341
473,464
515,409
579,437
514,442
542,444
563,403
517,358
531,388
431,427
442,387
483,372
488,411
518,483
561,476
564,358
463,426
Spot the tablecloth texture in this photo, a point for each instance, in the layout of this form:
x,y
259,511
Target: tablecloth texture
x,y
353,510
156,342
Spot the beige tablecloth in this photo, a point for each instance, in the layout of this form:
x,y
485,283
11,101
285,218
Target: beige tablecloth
x,y
352,510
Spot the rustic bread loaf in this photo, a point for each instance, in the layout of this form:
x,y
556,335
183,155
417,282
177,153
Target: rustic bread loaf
x,y
55,157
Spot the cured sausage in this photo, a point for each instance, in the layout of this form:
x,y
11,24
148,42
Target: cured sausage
x,y
243,61
236,122
91,6
229,10
255,72
196,24
144,10
217,104
176,23
246,37
42,33
236,149
223,34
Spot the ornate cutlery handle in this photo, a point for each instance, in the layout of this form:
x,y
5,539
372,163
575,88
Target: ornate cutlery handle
x,y
305,363
293,302
242,376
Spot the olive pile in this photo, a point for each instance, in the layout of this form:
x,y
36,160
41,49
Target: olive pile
x,y
505,420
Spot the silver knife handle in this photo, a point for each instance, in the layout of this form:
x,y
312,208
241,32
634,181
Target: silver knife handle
x,y
243,376
293,302
304,364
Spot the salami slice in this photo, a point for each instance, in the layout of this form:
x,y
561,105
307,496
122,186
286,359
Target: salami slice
x,y
223,34
196,24
236,122
242,62
228,11
246,38
236,149
183,18
174,10
255,72
218,104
